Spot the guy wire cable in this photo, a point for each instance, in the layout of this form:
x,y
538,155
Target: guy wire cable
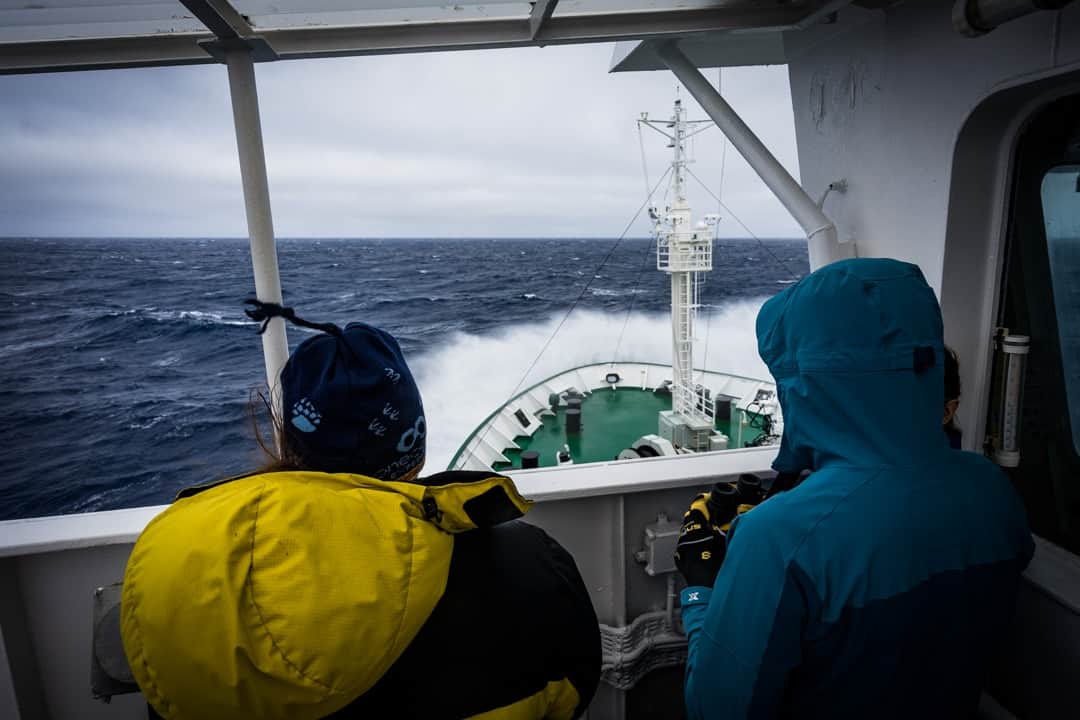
x,y
644,164
585,289
781,263
644,257
719,207
633,297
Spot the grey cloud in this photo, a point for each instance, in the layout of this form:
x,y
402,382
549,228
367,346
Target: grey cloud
x,y
500,143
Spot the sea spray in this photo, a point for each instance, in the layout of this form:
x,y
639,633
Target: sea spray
x,y
470,376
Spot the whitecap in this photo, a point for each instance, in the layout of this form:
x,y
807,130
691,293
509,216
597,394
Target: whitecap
x,y
6,350
196,316
147,424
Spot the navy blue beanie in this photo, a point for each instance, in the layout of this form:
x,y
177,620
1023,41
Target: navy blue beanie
x,y
351,404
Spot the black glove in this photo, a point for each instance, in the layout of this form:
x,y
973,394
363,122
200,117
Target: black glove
x,y
702,545
784,481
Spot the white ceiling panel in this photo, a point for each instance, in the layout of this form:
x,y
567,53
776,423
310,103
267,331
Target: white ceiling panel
x,y
44,20
339,13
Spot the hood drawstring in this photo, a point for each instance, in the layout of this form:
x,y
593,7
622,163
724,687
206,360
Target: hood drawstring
x,y
264,312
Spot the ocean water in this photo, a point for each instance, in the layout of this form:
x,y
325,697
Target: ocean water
x,y
127,365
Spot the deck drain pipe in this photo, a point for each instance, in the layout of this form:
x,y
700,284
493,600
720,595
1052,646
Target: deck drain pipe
x,y
974,18
633,651
820,231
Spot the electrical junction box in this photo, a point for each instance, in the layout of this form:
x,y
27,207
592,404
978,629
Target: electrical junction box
x,y
671,429
660,540
684,434
748,413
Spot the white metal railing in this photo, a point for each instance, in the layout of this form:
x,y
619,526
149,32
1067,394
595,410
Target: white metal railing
x,y
692,403
690,254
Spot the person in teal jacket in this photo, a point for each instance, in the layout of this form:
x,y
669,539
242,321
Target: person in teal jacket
x,y
881,584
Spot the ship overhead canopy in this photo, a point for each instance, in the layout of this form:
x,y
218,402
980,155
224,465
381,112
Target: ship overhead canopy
x,y
60,35
731,48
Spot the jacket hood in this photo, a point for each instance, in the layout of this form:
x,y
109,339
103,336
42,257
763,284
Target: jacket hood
x,y
856,349
288,595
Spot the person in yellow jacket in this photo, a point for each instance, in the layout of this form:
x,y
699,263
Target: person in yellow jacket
x,y
341,584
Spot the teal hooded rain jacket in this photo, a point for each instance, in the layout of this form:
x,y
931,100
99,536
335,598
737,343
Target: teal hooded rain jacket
x,y
879,587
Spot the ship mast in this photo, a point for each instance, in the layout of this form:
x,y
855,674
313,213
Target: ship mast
x,y
684,252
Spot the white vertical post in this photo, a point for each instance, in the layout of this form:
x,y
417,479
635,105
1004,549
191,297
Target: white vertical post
x,y
249,145
820,231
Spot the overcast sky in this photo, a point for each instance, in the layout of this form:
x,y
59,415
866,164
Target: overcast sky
x,y
498,143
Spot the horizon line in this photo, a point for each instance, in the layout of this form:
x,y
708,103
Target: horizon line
x,y
368,237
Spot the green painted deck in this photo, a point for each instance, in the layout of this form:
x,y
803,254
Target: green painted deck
x,y
611,421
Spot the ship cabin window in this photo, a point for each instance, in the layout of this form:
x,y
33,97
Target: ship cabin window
x,y
1061,217
1041,299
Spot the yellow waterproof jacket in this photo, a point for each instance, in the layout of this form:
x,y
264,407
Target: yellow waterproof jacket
x,y
288,595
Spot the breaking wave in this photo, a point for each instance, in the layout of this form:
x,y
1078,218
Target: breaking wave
x,y
470,376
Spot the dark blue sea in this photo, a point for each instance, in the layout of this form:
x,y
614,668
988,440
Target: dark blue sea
x,y
127,365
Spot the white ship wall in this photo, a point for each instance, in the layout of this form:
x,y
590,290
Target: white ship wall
x,y
880,98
